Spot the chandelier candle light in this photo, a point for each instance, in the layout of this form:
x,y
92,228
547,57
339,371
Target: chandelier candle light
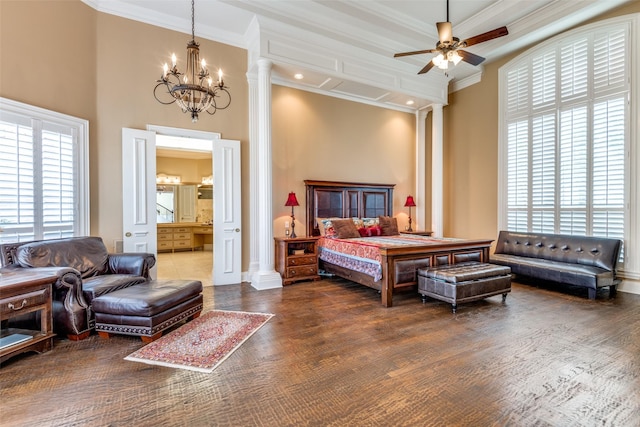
x,y
292,201
193,90
410,203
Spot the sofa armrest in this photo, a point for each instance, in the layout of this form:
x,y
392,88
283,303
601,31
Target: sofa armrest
x,y
137,264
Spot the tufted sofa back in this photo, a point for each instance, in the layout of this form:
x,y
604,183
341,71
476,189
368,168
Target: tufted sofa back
x,y
596,251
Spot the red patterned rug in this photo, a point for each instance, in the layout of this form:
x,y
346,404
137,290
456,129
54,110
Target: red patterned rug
x,y
203,343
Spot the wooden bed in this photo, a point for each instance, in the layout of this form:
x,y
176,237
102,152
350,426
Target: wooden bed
x,y
330,199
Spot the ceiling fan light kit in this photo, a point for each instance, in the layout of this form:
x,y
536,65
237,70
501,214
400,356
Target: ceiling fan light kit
x,y
448,48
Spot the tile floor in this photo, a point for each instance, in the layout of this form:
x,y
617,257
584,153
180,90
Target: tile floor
x,y
186,265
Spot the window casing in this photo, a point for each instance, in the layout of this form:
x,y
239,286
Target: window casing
x,y
44,177
565,136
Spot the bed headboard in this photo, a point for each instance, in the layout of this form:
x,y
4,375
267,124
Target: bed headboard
x,y
331,199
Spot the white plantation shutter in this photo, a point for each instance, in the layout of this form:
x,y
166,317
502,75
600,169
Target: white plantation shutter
x,y
608,167
518,90
518,176
574,197
574,68
58,182
565,148
42,165
544,79
610,59
543,166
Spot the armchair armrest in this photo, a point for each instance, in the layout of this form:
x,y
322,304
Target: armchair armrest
x,y
71,313
137,264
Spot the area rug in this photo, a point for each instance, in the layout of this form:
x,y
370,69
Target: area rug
x,y
203,343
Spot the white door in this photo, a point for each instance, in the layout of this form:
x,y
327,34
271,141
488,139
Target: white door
x,y
187,201
139,192
227,235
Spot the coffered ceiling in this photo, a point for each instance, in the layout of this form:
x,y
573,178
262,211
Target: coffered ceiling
x,y
345,48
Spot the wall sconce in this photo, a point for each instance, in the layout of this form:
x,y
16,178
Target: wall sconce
x,y
162,178
292,201
207,180
410,203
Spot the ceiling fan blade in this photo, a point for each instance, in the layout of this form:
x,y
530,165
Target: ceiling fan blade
x,y
445,33
415,52
489,35
426,68
469,57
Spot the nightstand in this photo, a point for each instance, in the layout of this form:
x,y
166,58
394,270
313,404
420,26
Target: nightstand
x,y
297,259
417,233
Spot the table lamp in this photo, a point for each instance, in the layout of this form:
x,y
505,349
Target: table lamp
x,y
292,201
410,203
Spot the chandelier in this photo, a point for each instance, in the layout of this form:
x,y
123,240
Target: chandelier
x,y
193,91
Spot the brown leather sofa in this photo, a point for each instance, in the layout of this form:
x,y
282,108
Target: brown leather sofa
x,y
85,271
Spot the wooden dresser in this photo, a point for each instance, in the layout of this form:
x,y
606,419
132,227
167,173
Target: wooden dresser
x,y
297,259
172,237
180,236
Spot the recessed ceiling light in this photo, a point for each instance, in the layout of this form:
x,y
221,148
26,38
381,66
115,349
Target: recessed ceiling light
x,y
410,102
298,76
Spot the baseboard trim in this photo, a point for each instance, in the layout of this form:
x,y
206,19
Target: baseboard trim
x,y
630,286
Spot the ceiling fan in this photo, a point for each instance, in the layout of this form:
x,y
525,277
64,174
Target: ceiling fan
x,y
449,48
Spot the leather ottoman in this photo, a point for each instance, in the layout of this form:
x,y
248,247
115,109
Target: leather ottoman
x,y
464,282
147,309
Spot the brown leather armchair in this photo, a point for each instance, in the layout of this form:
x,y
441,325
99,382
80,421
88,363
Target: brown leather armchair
x,y
85,270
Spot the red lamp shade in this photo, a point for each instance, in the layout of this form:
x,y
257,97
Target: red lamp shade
x,y
292,201
409,203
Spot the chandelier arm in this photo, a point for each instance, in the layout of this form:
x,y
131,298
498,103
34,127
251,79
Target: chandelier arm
x,y
155,95
224,89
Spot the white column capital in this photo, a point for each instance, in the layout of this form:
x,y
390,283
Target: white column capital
x,y
264,64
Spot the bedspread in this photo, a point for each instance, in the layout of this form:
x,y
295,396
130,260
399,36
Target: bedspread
x,y
363,254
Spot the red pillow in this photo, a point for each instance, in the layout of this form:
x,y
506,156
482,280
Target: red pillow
x,y
375,230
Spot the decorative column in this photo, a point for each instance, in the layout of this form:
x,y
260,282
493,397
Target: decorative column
x,y
266,277
254,243
437,172
421,172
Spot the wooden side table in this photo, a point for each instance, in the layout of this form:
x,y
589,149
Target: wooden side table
x,y
297,259
21,293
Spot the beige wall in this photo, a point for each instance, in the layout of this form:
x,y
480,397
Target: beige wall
x,y
324,138
471,151
50,63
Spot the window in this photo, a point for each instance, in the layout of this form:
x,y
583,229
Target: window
x,y
43,174
565,130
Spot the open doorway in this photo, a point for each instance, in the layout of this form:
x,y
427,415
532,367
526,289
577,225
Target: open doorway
x,y
184,207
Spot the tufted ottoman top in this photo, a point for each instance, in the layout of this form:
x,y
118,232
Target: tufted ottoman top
x,y
147,299
464,272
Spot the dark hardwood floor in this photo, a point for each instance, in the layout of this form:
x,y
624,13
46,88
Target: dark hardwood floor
x,y
333,356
